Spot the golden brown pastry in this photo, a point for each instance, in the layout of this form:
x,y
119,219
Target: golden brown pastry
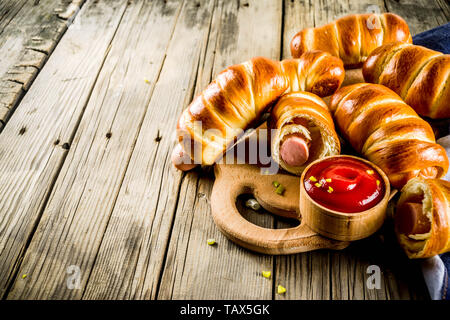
x,y
240,94
422,218
388,132
304,131
353,37
420,76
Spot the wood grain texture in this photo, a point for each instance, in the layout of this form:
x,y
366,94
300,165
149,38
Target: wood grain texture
x,y
31,152
131,257
29,32
8,10
400,278
421,15
242,30
445,7
222,271
78,210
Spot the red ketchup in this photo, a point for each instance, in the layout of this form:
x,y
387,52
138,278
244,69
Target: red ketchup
x,y
344,184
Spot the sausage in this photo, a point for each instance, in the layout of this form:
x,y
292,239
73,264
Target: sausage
x,y
181,160
294,150
410,219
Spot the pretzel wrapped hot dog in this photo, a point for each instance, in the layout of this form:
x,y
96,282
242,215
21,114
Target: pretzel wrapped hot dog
x,y
422,218
419,75
240,94
388,132
353,37
304,131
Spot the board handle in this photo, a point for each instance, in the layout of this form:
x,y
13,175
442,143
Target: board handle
x,y
230,184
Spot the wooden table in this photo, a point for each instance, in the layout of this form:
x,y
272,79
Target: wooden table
x,y
90,206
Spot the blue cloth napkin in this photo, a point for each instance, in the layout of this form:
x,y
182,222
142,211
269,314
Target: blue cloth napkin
x,y
445,288
436,39
436,270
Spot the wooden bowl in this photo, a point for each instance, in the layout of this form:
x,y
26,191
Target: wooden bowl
x,y
340,225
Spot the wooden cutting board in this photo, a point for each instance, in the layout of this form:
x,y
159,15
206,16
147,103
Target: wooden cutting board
x,y
233,180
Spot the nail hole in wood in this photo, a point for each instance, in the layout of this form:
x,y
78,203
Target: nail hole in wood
x,y
66,146
57,141
158,137
108,135
22,131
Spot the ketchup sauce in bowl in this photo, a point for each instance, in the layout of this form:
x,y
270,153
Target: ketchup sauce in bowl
x,y
344,184
344,197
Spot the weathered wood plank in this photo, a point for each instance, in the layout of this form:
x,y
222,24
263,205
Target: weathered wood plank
x,y
222,271
78,210
305,276
193,269
34,142
29,31
445,7
8,10
400,278
420,15
131,257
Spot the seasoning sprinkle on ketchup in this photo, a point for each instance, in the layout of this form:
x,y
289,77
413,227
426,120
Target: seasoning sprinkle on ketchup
x,y
344,184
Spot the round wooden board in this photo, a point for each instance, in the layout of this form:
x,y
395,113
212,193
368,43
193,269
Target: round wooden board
x,y
233,180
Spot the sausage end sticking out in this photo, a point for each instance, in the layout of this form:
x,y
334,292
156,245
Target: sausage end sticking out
x,y
181,160
410,219
294,150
